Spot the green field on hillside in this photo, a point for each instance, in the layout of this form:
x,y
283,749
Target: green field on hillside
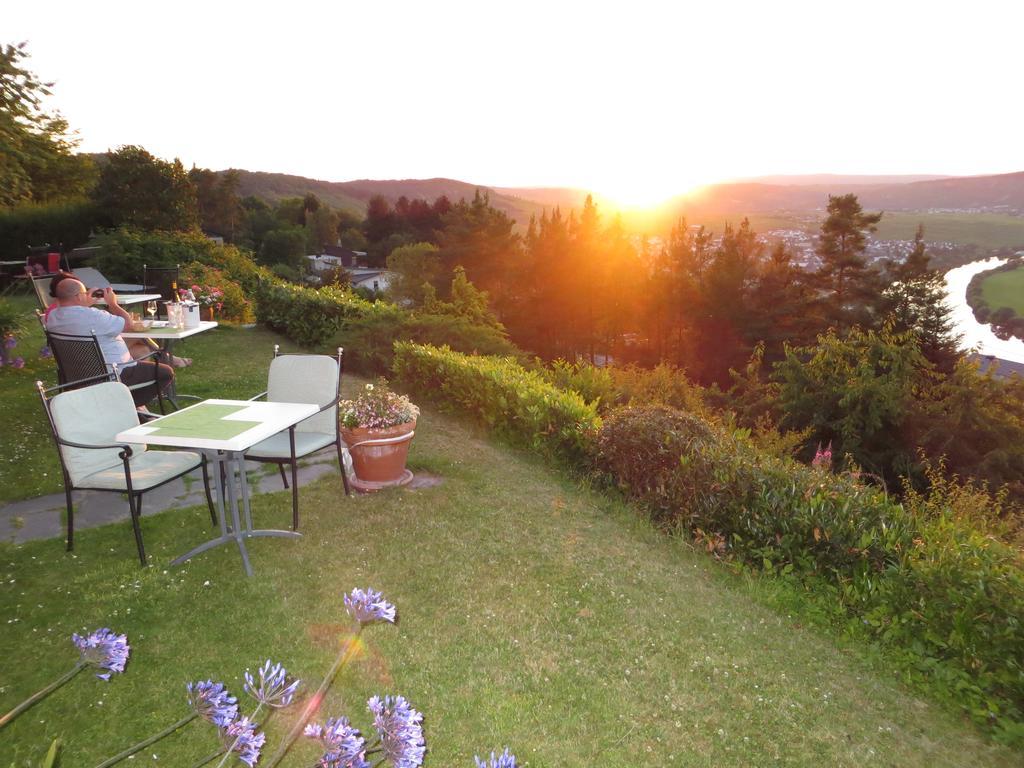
x,y
1005,289
988,230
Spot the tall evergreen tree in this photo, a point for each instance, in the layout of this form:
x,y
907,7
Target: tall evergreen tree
x,y
916,302
848,286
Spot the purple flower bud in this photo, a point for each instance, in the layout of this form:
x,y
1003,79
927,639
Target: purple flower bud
x,y
104,650
368,605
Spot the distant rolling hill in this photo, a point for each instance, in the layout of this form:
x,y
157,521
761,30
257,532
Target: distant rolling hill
x,y
354,195
1002,193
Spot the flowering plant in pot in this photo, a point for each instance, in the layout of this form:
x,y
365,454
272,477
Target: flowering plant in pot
x,y
377,426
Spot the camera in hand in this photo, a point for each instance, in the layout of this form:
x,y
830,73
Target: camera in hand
x,y
96,293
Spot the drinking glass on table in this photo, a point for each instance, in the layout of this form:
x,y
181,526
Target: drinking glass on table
x,y
151,309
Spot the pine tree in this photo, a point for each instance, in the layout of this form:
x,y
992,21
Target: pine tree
x,y
848,286
916,302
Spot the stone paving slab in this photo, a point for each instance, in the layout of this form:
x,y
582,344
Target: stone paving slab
x,y
43,517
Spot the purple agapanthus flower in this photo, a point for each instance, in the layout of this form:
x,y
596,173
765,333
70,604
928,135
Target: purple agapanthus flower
x,y
344,746
19,362
212,702
240,736
103,649
10,342
504,760
46,352
368,605
400,729
273,689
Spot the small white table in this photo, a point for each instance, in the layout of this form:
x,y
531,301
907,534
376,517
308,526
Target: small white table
x,y
128,299
166,336
224,430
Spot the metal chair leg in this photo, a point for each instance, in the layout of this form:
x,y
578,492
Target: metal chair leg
x,y
71,516
295,495
295,480
136,511
209,498
284,477
341,466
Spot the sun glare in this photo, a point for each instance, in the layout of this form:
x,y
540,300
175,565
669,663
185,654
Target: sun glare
x,y
635,193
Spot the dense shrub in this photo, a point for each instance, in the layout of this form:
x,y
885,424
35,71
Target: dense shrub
x,y
309,317
68,224
234,304
369,340
918,578
499,393
123,252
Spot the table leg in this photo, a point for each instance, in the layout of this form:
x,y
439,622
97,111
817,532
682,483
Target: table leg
x,y
228,500
245,494
172,388
240,533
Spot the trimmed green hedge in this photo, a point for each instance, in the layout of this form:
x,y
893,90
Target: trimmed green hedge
x,y
309,317
498,392
68,224
369,340
924,582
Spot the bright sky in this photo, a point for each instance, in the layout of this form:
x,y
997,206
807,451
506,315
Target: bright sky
x,y
635,99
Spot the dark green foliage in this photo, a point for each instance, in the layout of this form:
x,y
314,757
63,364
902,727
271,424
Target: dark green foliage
x,y
369,339
849,286
920,579
876,398
136,189
499,393
68,224
37,161
915,301
220,210
1005,321
285,246
309,317
856,393
124,251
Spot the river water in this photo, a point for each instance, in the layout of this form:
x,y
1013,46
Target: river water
x,y
976,335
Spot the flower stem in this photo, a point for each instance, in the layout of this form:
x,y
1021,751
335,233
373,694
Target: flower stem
x,y
208,758
143,744
235,742
41,694
347,651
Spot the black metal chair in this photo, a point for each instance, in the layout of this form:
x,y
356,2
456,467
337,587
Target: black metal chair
x,y
80,358
300,378
84,417
162,280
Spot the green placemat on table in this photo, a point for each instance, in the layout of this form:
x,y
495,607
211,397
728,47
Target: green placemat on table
x,y
204,420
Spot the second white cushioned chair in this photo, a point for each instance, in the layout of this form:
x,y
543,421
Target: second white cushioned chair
x,y
84,421
299,378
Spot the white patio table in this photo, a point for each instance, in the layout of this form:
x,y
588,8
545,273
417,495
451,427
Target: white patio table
x,y
127,299
165,336
224,430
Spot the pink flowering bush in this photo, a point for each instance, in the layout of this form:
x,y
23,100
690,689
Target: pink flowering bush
x,y
377,407
206,295
213,287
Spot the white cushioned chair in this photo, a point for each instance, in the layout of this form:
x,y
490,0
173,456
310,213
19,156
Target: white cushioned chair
x,y
84,417
298,378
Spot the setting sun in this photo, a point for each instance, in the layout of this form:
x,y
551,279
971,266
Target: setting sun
x,y
639,192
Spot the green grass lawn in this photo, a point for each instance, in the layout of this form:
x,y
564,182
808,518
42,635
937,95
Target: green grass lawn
x,y
533,613
1005,289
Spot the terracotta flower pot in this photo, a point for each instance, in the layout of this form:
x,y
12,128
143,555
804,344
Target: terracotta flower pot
x,y
206,313
379,464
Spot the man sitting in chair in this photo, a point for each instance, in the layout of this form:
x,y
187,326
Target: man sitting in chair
x,y
74,314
